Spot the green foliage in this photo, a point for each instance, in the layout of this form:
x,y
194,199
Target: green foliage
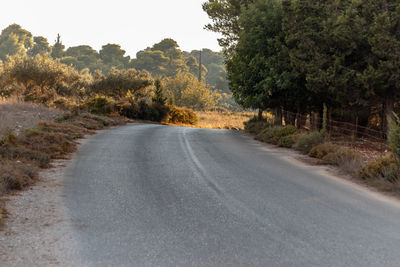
x,y
285,131
101,105
159,97
287,141
163,59
187,91
153,61
268,135
386,169
113,55
274,134
255,126
225,16
257,71
40,77
154,112
306,142
57,50
119,83
298,55
394,136
84,57
14,40
40,47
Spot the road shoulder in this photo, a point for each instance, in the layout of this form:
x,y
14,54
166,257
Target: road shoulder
x,y
37,231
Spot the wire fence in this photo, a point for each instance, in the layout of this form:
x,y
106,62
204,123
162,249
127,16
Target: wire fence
x,y
340,132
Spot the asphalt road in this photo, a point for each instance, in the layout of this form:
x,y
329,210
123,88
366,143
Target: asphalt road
x,y
153,195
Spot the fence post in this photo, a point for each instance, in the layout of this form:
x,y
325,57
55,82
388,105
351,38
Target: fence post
x,y
324,121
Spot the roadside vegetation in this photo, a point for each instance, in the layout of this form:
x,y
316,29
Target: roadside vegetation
x,y
23,155
382,172
329,73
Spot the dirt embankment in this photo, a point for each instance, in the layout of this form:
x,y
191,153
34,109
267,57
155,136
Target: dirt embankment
x,y
17,116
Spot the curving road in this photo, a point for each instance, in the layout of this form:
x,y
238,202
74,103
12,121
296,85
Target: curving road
x,y
154,195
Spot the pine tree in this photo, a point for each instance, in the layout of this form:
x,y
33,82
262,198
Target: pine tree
x,y
159,97
58,48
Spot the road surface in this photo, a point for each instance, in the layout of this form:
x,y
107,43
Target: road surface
x,y
154,195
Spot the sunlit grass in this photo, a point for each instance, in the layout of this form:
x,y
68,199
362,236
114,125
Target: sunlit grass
x,y
222,120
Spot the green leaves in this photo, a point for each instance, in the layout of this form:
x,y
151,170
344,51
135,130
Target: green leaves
x,y
394,136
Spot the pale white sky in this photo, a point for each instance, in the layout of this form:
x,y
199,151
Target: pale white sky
x,y
133,24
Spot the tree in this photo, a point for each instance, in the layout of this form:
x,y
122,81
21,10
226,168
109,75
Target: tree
x,y
216,76
254,69
57,50
159,97
225,16
113,55
81,57
14,40
119,82
41,46
171,50
383,73
10,46
153,61
40,76
187,91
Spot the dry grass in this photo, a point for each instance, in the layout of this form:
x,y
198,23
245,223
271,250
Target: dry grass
x,y
16,116
21,156
222,120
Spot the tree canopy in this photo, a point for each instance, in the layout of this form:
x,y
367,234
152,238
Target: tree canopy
x,y
297,55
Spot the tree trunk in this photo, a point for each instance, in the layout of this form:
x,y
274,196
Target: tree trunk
x,y
314,121
290,118
301,120
278,116
260,114
389,109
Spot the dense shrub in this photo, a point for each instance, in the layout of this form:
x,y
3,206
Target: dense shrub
x,y
101,105
306,142
157,112
88,121
64,103
268,135
255,125
182,115
15,176
347,159
277,135
283,132
144,111
12,152
321,150
287,141
386,169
